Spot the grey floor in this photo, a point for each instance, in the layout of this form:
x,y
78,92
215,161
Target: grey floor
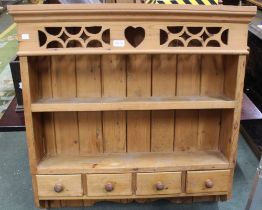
x,y
16,191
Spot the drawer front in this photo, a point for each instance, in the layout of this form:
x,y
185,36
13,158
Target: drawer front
x,y
158,183
207,181
109,184
59,185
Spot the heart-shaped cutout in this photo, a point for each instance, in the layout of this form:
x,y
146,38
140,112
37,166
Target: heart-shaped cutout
x,y
134,36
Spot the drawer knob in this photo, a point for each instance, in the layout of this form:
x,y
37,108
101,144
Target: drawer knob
x,y
160,186
58,188
109,187
209,183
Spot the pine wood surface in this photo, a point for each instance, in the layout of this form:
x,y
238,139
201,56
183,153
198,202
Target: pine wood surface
x,y
134,101
132,162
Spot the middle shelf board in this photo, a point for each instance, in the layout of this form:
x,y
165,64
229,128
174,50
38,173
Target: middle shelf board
x,y
128,103
133,162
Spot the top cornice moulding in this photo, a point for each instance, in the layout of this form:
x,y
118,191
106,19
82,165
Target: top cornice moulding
x,y
122,12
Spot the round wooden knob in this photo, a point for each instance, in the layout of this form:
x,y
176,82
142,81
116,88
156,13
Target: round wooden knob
x,y
209,183
160,186
109,187
58,188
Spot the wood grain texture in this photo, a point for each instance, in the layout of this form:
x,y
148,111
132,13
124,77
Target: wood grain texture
x,y
114,84
49,133
134,162
212,75
231,148
55,204
138,85
37,202
132,103
231,65
231,119
209,129
196,181
64,85
121,184
212,84
146,183
163,84
188,83
33,146
144,113
34,88
72,203
88,76
222,16
45,91
72,185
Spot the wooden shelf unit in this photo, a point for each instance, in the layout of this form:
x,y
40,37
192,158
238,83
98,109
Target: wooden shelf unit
x,y
141,105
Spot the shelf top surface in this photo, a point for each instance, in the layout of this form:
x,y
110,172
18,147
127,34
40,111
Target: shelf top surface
x,y
139,162
52,8
131,103
130,12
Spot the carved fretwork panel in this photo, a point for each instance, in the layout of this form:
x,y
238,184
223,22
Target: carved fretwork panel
x,y
192,36
71,37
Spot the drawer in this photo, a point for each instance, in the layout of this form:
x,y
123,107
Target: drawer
x,y
207,181
109,184
59,185
158,183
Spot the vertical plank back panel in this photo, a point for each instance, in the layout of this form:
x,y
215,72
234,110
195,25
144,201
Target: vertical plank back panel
x,y
188,84
113,69
64,86
212,84
212,75
138,85
163,84
88,73
209,129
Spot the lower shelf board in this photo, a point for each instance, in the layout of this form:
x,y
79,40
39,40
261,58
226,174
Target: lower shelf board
x,y
133,162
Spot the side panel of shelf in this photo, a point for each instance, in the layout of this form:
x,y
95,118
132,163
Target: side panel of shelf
x,y
35,143
231,119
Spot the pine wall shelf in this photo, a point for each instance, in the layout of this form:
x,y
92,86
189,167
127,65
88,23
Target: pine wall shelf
x,y
129,102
